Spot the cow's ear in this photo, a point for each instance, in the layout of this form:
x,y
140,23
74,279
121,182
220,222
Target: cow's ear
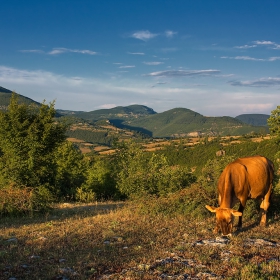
x,y
236,213
211,208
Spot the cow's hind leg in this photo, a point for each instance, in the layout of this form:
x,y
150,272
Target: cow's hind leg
x,y
263,207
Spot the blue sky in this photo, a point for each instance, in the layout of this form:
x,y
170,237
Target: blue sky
x,y
218,58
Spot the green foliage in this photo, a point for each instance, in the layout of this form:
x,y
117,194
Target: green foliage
x,y
274,123
99,181
86,195
28,139
141,173
70,170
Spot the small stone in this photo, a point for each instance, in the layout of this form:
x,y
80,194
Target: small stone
x,y
13,239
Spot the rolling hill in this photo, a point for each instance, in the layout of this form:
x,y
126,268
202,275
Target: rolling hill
x,y
177,122
254,119
5,96
180,122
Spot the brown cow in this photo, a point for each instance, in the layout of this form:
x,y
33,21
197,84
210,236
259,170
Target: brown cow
x,y
244,178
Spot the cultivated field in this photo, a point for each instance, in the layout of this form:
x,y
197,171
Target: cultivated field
x,y
121,241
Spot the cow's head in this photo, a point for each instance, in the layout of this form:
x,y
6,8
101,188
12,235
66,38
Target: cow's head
x,y
224,218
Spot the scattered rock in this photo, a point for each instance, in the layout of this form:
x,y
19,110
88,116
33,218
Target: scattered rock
x,y
219,241
13,239
35,257
261,243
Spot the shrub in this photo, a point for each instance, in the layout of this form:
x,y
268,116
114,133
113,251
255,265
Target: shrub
x,y
85,195
15,200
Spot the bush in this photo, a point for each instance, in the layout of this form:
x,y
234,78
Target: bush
x,y
15,200
142,174
85,195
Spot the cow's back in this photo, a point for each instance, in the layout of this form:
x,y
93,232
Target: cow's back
x,y
260,174
248,177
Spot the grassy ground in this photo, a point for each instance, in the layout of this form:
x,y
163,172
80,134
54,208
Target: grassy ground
x,y
117,241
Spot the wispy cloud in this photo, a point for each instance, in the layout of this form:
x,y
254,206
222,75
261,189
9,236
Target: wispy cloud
x,y
262,82
264,42
182,73
246,47
143,35
274,58
127,66
56,51
260,43
243,58
170,33
153,63
65,50
32,51
136,53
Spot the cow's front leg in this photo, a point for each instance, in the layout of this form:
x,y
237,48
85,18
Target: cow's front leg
x,y
240,209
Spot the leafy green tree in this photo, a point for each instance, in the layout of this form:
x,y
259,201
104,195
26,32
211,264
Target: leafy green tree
x,y
141,173
28,139
100,180
274,123
71,168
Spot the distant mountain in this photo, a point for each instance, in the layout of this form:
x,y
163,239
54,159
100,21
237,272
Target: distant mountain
x,y
181,122
177,122
119,113
254,119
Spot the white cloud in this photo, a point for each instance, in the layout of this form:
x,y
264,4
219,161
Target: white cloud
x,y
180,73
264,43
65,50
273,58
246,47
243,58
136,53
143,35
127,66
153,63
170,33
87,94
56,51
31,51
262,82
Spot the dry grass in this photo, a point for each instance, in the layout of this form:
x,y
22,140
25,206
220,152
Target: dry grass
x,y
117,241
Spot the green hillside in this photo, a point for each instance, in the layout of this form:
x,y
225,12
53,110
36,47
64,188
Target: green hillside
x,y
5,96
254,119
182,122
178,122
120,113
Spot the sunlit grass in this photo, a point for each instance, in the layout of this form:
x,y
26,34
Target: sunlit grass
x,y
88,241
